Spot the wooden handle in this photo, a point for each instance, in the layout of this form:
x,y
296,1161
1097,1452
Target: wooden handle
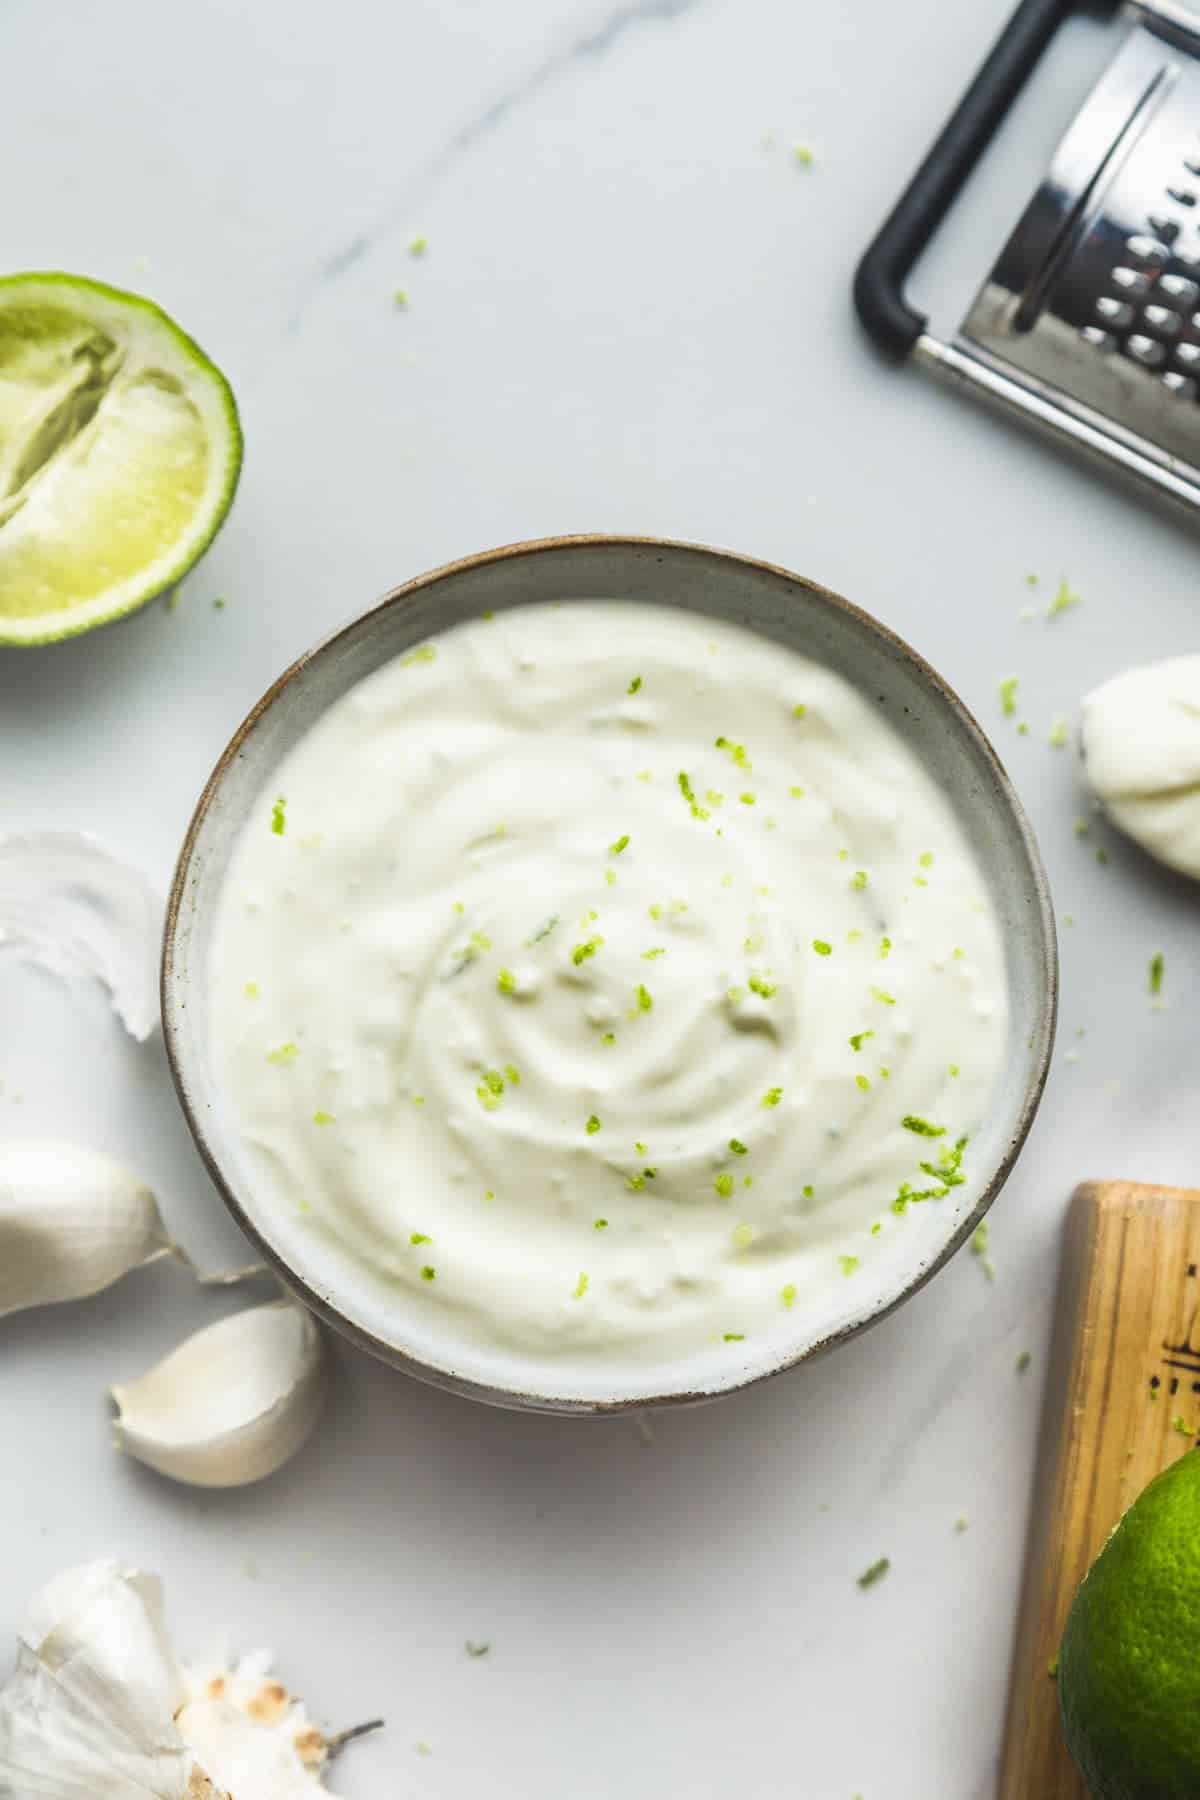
x,y
1122,1402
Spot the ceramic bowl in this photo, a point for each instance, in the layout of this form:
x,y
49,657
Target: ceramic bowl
x,y
776,605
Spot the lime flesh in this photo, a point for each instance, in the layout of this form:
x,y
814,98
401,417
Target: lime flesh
x,y
1129,1668
120,450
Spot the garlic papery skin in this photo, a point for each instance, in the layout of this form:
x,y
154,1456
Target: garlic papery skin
x,y
232,1404
89,1713
99,1709
71,1223
70,905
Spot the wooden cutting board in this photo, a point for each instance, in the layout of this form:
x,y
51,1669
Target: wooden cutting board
x,y
1124,1369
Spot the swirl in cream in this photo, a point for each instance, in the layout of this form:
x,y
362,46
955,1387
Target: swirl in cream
x,y
609,980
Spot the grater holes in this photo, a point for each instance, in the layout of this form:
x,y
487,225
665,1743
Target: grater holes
x,y
1095,339
1166,229
1146,351
1180,289
1147,249
1182,196
1187,356
1131,281
1116,313
1162,320
1182,386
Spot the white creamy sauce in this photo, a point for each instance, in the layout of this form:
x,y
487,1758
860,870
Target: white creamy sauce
x,y
1140,736
577,975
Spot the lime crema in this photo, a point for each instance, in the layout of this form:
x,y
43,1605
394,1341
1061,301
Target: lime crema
x,y
607,987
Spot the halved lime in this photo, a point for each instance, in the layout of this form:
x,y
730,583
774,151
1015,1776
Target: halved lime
x,y
120,450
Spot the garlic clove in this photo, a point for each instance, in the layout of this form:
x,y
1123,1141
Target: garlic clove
x,y
71,1223
232,1403
1140,739
68,904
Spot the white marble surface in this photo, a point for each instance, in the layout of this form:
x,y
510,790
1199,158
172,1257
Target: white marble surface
x,y
632,316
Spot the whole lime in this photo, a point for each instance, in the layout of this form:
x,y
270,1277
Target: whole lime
x,y
1129,1668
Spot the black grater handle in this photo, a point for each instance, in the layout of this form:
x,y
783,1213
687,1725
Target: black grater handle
x,y
879,283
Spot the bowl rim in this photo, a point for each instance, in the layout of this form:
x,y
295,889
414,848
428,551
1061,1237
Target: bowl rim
x,y
1041,1044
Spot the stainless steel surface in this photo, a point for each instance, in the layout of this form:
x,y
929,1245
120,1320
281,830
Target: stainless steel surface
x,y
1088,323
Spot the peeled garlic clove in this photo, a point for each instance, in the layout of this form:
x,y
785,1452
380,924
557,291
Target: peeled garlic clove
x,y
68,904
1140,736
71,1223
232,1403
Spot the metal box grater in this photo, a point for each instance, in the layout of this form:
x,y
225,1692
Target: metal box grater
x,y
1089,323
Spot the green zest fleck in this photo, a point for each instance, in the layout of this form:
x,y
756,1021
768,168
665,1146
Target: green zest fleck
x,y
323,1118
635,1183
513,1074
858,880
278,820
1008,695
747,799
506,981
738,1148
922,1127
476,1650
543,931
425,653
610,875
862,1082
417,246
616,849
807,1190
1180,1424
581,952
218,606
420,1237
799,710
715,797
685,788
724,1185
490,1088
758,986
284,1053
884,998
600,1225
592,1126
821,947
788,1294
251,990
635,684
772,1097
875,1573
429,1273
979,1248
610,1037
743,1236
860,1038
644,1001
581,1288
885,948
1157,970
1058,738
1023,1362
736,751
848,1264
400,297
1063,601
735,1337
649,955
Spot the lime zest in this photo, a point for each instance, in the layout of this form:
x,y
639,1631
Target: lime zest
x,y
634,685
581,952
279,816
592,1126
875,1573
283,1053
581,1287
1008,695
1157,971
821,947
323,1118
620,845
773,1096
788,1294
848,1264
685,788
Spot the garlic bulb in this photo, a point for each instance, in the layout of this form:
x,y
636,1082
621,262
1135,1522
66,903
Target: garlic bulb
x,y
71,1223
232,1403
69,905
99,1709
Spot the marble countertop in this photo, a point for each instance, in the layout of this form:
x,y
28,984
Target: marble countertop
x,y
632,316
